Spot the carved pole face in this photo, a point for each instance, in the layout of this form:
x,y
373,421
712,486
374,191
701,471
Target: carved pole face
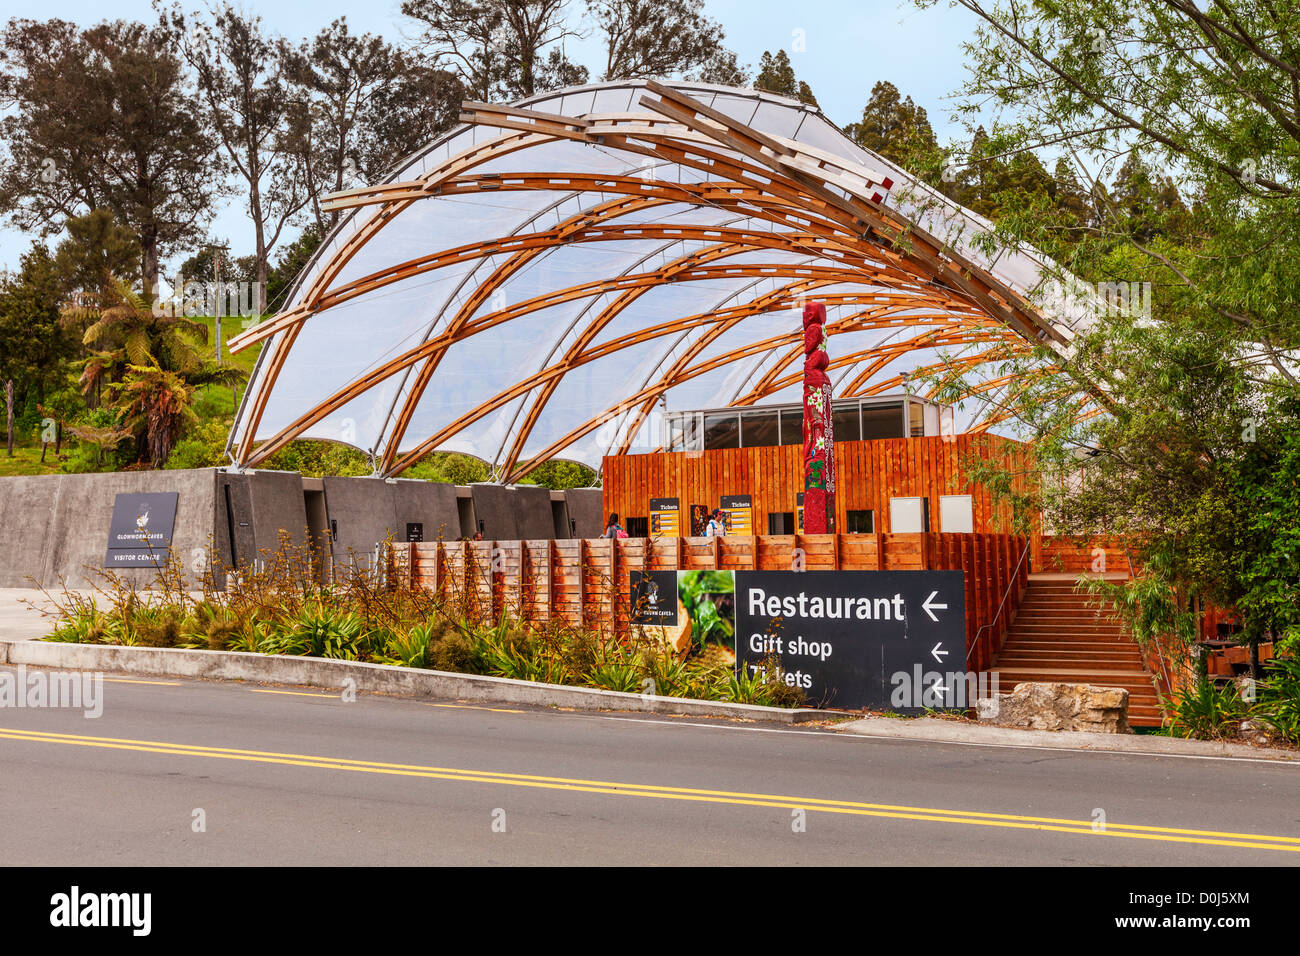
x,y
818,438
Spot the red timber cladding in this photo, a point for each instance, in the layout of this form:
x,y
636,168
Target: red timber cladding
x,y
585,582
868,474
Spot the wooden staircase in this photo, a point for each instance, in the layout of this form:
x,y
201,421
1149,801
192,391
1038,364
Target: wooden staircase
x,y
1058,636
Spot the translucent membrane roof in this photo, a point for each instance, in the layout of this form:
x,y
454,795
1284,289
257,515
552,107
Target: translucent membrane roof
x,y
549,277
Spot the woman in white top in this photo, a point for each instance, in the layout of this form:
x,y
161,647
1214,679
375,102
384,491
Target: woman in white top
x,y
717,526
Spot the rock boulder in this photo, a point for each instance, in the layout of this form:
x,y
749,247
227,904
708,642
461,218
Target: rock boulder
x,y
1035,706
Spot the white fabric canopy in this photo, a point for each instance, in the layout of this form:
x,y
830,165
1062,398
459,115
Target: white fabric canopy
x,y
524,289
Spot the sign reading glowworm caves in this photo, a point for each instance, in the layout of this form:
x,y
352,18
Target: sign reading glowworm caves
x,y
140,534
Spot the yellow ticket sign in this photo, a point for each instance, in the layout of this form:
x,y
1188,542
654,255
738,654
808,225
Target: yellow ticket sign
x,y
738,510
665,517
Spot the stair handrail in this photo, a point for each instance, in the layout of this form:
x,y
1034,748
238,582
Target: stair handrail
x,y
1160,654
1015,576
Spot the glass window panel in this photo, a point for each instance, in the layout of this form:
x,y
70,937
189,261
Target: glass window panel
x,y
860,522
916,419
882,421
722,431
792,426
845,424
758,428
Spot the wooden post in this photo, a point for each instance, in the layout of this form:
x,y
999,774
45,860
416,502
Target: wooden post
x,y
550,579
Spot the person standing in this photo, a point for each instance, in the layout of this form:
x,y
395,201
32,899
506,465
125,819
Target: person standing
x,y
612,528
717,526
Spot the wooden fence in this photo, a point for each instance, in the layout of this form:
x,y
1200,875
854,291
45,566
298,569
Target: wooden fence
x,y
1059,554
585,581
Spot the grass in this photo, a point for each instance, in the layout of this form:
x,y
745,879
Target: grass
x,y
215,401
27,460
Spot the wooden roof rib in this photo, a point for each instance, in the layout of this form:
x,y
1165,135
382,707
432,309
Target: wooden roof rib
x,y
646,187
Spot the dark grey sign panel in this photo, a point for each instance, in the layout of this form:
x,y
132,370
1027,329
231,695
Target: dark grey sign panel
x,y
140,532
654,597
854,639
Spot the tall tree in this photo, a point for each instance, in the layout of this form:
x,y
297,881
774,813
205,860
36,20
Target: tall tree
x,y
893,126
420,103
96,246
34,348
776,75
337,79
104,118
498,47
246,96
1186,439
655,38
723,69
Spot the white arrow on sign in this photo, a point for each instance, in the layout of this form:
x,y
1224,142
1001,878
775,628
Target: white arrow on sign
x,y
926,607
936,652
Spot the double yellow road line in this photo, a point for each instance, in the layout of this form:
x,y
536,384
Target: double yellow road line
x,y
1255,841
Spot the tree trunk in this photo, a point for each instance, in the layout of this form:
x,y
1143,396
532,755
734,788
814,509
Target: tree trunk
x,y
9,415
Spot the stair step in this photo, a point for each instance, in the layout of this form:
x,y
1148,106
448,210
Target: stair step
x,y
1013,660
1044,644
1060,635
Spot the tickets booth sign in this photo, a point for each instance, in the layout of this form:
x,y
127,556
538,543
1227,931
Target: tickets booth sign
x,y
665,517
738,512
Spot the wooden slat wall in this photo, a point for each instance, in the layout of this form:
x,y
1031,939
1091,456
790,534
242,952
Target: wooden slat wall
x,y
585,582
1065,555
868,474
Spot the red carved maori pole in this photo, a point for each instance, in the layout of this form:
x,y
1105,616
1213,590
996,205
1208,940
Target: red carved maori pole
x,y
818,440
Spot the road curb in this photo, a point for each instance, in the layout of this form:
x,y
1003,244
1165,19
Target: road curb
x,y
958,732
375,678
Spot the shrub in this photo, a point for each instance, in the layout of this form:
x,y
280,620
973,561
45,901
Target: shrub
x,y
1206,711
278,606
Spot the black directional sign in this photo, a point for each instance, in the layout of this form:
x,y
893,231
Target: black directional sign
x,y
881,640
140,533
654,597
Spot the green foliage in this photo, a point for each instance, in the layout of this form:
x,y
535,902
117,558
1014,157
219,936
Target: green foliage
x,y
317,458
33,343
776,75
203,447
698,591
320,632
558,475
1278,698
894,127
278,607
1206,711
764,685
450,467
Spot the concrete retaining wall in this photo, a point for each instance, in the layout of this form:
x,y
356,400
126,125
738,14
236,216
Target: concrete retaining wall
x,y
584,506
365,511
53,528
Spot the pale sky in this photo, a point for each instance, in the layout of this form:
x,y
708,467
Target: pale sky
x,y
848,46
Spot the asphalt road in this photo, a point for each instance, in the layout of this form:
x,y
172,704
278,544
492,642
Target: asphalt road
x,y
297,776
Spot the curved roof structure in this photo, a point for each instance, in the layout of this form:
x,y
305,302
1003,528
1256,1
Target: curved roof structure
x,y
546,277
